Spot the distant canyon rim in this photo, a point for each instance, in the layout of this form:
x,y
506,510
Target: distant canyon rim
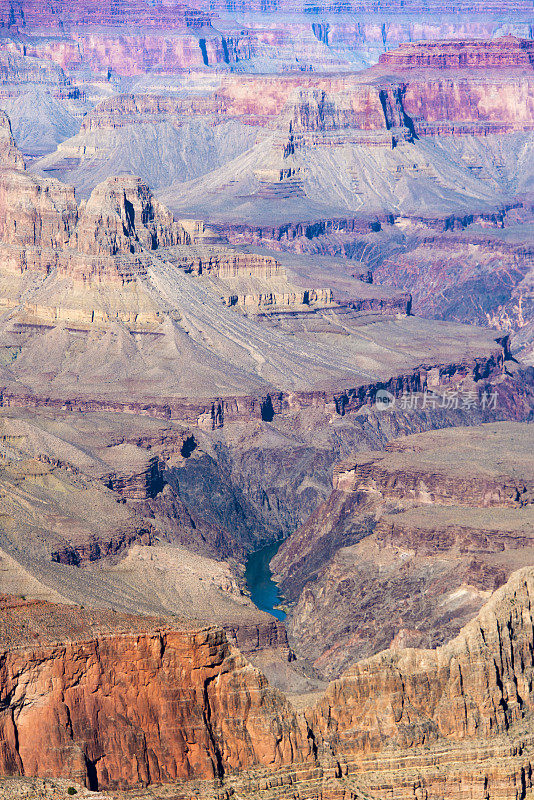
x,y
228,231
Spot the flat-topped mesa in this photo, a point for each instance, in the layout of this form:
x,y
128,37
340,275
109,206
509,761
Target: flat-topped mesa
x,y
506,52
251,281
122,216
431,468
219,262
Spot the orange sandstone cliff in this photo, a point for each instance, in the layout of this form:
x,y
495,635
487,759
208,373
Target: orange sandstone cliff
x,y
130,708
132,704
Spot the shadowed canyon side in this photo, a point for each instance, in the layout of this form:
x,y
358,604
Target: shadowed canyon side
x,y
410,544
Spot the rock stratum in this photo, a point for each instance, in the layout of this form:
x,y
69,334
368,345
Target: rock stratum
x,y
380,727
117,275
410,543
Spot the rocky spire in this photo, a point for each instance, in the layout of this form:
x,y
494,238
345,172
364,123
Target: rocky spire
x,y
122,216
10,155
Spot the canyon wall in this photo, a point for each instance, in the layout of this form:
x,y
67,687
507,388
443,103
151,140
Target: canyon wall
x,y
210,414
466,93
48,14
124,710
409,543
380,727
506,52
476,685
374,6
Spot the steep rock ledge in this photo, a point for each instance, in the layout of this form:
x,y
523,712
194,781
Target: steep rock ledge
x,y
125,710
210,414
477,685
431,722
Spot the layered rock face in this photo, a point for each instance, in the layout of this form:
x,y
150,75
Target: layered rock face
x,y
44,232
115,261
61,464
408,546
339,103
380,727
249,281
136,475
140,707
9,154
173,37
383,129
31,13
109,307
474,688
481,277
31,213
367,110
90,515
101,37
468,99
122,216
392,6
507,52
18,70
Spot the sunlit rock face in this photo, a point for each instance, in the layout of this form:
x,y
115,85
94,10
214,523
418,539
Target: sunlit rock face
x,y
507,52
123,216
31,212
191,693
185,692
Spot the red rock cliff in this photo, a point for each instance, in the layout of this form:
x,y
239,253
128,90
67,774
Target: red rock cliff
x,y
508,51
126,709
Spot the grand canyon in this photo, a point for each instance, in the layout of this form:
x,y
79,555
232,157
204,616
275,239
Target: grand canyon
x,y
266,400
